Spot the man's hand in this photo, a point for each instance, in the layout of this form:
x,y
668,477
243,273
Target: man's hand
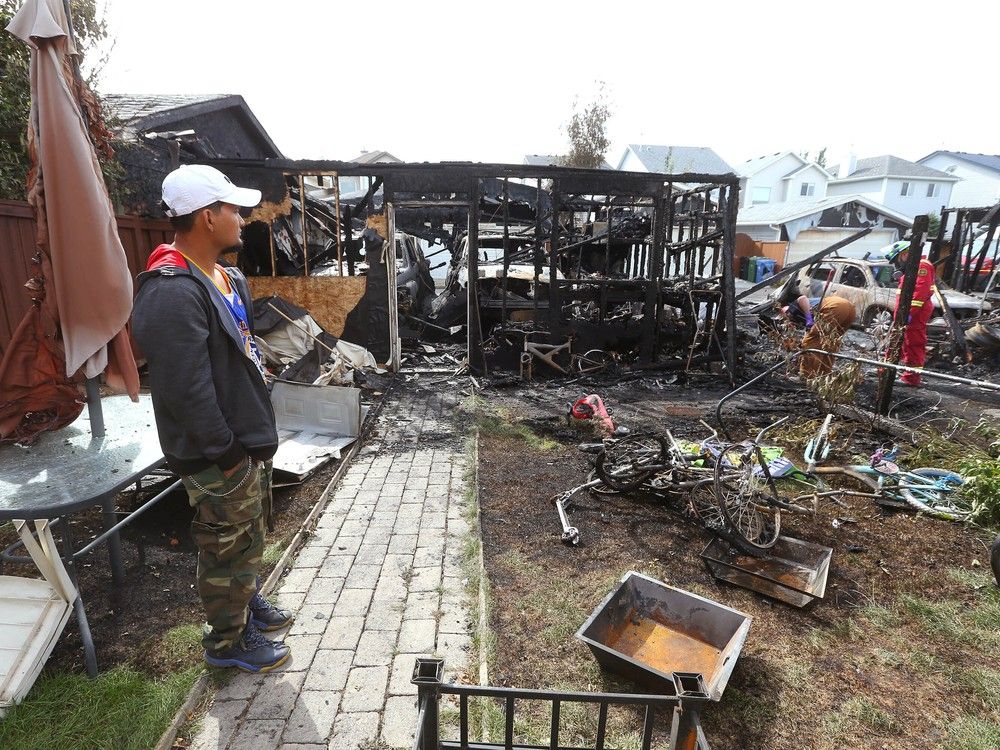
x,y
229,472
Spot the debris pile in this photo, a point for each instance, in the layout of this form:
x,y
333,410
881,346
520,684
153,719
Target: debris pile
x,y
296,348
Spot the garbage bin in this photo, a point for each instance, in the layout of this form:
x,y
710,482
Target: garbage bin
x,y
764,269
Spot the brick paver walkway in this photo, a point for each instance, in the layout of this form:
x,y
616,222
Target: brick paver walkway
x,y
378,584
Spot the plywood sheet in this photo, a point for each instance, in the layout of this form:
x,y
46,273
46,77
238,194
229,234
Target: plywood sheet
x,y
328,299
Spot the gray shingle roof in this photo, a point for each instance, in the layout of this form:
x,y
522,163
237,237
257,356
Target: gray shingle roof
x,y
990,161
542,160
781,213
130,107
700,159
752,166
552,160
376,157
892,166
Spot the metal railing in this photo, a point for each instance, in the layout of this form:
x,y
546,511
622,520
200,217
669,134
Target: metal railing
x,y
682,705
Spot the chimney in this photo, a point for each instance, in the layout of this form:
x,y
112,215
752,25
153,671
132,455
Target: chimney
x,y
847,165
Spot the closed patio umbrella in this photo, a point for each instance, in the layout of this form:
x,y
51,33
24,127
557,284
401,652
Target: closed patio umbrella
x,y
83,295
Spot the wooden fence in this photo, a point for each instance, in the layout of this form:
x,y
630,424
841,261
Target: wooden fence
x,y
17,246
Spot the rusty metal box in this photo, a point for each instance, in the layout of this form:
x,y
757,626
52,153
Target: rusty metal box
x,y
646,631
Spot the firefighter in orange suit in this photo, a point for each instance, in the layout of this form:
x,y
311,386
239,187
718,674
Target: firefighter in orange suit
x,y
921,309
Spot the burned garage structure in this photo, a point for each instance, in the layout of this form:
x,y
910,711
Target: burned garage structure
x,y
546,269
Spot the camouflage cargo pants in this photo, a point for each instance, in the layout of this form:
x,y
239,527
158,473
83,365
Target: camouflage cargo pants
x,y
228,528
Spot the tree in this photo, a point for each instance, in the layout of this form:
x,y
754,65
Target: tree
x,y
15,90
587,132
933,224
669,161
821,157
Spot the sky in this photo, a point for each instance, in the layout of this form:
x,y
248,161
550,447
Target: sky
x,y
490,82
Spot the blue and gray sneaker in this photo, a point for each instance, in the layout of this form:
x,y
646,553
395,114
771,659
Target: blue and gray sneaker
x,y
251,653
266,617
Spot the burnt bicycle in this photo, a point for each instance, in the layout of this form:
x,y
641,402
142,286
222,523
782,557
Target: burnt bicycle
x,y
726,487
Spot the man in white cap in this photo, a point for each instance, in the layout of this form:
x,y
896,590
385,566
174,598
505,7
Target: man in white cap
x,y
193,321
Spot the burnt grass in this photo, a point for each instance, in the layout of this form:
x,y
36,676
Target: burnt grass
x,y
865,667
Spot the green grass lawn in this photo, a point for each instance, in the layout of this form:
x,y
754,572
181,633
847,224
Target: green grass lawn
x,y
123,709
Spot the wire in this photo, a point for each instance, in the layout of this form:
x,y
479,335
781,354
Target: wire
x,y
915,416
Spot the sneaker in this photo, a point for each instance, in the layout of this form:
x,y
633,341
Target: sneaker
x,y
266,617
251,653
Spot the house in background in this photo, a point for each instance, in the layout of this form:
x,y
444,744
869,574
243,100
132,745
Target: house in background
x,y
151,131
979,176
780,177
905,187
811,224
553,160
357,183
672,160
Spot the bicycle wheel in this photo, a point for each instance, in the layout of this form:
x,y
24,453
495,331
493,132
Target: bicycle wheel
x,y
600,489
705,508
939,497
595,360
747,499
625,464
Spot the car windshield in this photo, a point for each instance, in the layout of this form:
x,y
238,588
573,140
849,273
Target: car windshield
x,y
884,275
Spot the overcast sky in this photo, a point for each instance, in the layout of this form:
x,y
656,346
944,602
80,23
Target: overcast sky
x,y
474,81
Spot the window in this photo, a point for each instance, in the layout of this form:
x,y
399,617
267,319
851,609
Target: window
x,y
885,276
821,273
808,189
951,169
932,190
760,195
853,276
907,189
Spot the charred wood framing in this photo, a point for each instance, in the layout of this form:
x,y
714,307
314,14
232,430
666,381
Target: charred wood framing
x,y
634,262
965,261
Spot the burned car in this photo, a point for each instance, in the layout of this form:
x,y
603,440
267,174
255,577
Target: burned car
x,y
872,286
523,293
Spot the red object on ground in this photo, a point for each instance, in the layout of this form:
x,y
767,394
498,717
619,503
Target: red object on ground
x,y
587,407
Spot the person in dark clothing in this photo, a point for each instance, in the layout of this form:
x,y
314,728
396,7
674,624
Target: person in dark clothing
x,y
193,321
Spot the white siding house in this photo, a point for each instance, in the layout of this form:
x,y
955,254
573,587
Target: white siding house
x,y
811,225
902,186
979,176
781,177
358,183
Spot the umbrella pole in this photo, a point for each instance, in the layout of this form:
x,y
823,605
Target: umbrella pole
x,y
94,408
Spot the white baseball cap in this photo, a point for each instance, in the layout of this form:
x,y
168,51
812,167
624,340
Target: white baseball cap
x,y
195,186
